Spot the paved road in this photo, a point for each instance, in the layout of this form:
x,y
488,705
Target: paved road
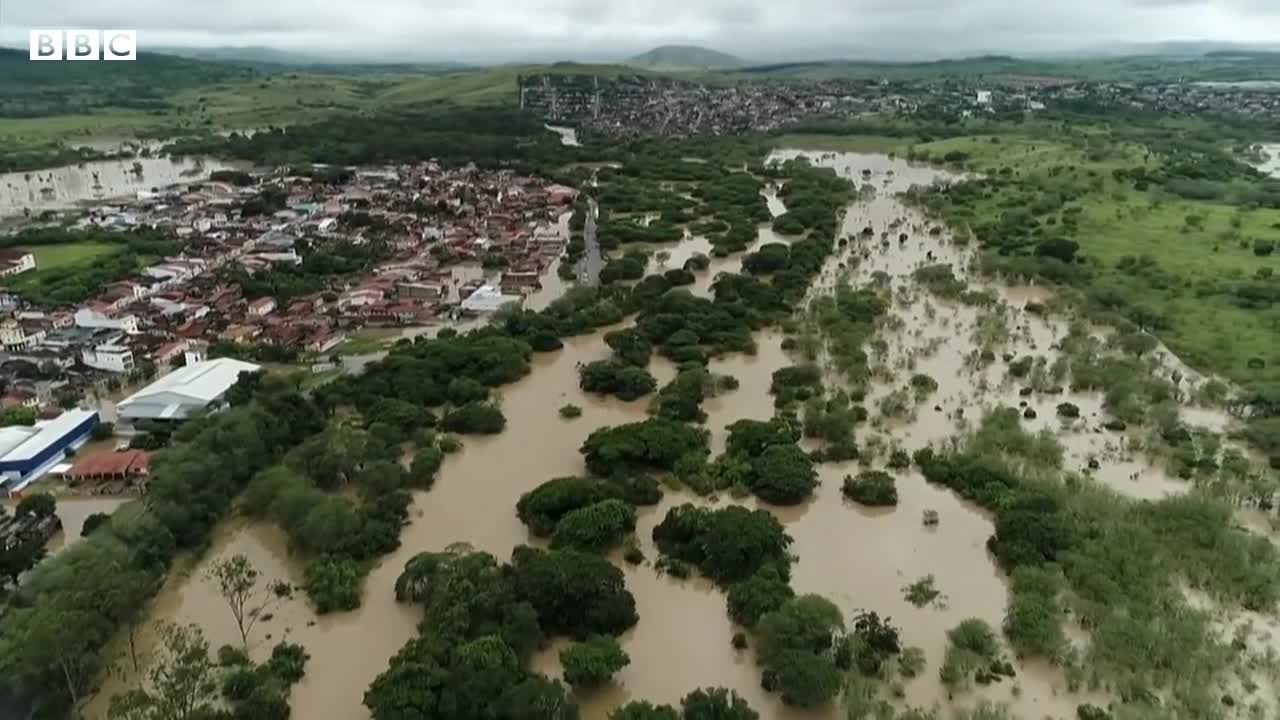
x,y
592,261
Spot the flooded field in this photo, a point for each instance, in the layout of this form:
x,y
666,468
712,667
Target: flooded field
x,y
68,186
1271,165
858,558
73,511
568,135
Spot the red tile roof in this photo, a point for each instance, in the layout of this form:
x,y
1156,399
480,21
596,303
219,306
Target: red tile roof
x,y
128,463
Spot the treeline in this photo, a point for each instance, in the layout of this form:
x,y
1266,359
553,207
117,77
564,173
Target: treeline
x,y
29,157
56,626
343,495
490,136
75,283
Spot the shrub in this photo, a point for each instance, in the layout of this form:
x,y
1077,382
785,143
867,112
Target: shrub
x,y
872,488
475,418
595,528
591,663
333,584
783,475
762,593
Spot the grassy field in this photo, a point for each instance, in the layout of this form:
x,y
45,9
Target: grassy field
x,y
284,98
488,86
369,340
53,257
1197,262
272,100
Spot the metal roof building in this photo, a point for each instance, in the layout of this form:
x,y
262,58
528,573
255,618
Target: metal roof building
x,y
487,299
185,391
26,453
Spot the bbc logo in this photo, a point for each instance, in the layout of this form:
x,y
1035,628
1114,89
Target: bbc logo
x,y
84,44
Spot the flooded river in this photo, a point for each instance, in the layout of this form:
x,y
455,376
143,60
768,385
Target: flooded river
x,y
68,186
858,558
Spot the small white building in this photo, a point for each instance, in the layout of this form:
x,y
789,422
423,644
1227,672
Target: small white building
x,y
984,97
16,260
109,357
13,336
262,307
87,318
487,299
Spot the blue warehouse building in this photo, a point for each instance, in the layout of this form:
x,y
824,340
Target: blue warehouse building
x,y
27,453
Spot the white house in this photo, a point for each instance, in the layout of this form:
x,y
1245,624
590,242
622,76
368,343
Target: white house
x,y
13,336
109,357
16,260
87,318
262,307
361,297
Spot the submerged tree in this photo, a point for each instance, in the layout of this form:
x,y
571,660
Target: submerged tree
x,y
181,682
237,581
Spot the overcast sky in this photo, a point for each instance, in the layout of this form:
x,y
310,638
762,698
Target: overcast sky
x,y
513,30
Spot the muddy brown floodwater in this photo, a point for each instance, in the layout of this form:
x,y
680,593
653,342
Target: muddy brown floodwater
x,y
860,559
64,187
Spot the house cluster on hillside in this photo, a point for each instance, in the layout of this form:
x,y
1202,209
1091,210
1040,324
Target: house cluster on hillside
x,y
416,234
631,104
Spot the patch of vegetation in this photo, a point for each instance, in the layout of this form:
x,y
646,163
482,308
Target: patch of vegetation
x,y
592,662
613,377
1059,544
728,545
872,488
922,592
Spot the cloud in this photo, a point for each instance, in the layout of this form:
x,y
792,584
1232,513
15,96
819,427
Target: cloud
x,y
508,30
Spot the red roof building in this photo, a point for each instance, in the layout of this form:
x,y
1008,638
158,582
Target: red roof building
x,y
124,465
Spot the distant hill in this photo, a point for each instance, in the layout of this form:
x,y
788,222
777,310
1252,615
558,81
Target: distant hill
x,y
250,55
684,57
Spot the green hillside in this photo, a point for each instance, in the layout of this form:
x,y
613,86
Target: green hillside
x,y
684,57
487,86
1218,67
39,89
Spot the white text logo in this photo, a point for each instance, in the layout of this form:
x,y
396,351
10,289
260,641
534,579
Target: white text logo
x,y
84,45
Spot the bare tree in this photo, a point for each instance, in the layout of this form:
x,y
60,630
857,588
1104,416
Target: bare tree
x,y
238,584
181,683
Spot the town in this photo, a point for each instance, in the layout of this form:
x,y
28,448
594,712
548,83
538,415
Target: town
x,y
271,267
631,105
